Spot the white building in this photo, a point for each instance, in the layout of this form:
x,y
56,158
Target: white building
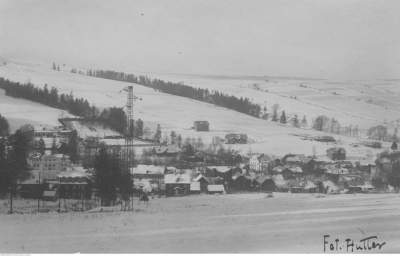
x,y
260,163
49,166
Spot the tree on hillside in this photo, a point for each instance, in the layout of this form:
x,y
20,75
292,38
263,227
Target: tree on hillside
x,y
395,135
4,126
54,149
41,146
283,120
179,140
275,108
21,145
304,123
109,178
394,146
173,137
321,123
295,121
157,135
139,128
378,132
72,147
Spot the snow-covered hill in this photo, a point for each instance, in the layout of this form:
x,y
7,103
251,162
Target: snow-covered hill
x,y
178,113
362,103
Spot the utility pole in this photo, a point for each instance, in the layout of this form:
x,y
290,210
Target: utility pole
x,y
38,202
11,200
59,194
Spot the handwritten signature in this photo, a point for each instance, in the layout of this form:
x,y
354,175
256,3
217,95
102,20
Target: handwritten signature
x,y
350,245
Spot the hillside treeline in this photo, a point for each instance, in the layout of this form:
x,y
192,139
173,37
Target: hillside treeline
x,y
243,105
113,117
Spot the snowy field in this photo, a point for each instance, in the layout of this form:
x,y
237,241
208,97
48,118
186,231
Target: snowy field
x,y
20,112
362,103
211,223
177,113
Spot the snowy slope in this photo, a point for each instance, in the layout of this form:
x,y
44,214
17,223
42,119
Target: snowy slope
x,y
20,112
363,103
178,113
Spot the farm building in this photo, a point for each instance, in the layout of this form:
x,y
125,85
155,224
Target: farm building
x,y
203,182
241,183
170,150
177,184
336,153
148,177
213,189
195,187
201,126
236,138
265,183
260,163
73,183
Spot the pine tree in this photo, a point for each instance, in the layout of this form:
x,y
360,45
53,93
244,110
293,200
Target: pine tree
x,y
173,137
54,147
275,108
394,146
283,118
4,126
157,135
139,128
295,121
73,144
304,123
41,146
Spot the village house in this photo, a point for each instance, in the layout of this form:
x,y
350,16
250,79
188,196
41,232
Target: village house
x,y
169,150
177,184
148,177
265,183
49,165
73,183
336,153
201,126
260,163
216,189
236,138
44,132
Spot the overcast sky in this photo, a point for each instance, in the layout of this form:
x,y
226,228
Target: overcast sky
x,y
329,39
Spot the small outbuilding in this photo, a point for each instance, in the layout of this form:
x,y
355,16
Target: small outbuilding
x,y
213,189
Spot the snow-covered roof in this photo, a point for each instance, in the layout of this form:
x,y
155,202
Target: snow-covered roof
x,y
177,178
221,168
74,172
199,177
295,169
309,185
215,188
147,169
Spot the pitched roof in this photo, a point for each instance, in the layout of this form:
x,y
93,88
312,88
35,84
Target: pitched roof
x,y
147,169
177,178
221,169
74,172
261,179
215,188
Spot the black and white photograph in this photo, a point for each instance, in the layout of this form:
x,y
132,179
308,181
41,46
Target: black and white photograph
x,y
199,126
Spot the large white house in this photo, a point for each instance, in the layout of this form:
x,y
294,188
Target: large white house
x,y
260,163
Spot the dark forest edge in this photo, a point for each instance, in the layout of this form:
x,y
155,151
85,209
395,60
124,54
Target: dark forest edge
x,y
112,117
242,105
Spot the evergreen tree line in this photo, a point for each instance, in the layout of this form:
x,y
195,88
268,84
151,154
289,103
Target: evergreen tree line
x,y
112,117
243,105
4,126
14,150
